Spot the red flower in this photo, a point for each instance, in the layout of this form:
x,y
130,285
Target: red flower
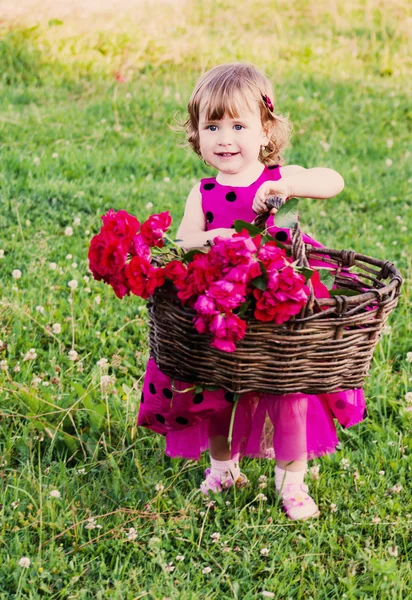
x,y
120,227
105,257
119,284
155,227
142,278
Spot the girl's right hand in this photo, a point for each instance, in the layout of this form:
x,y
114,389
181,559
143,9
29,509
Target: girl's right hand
x,y
267,189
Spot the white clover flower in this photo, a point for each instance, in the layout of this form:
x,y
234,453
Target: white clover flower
x,y
102,363
169,568
69,256
386,330
1,253
376,520
215,537
73,355
3,365
132,534
106,381
345,463
16,274
36,160
97,299
74,265
24,562
264,551
55,494
87,290
261,497
30,355
149,205
166,179
68,231
91,524
397,488
56,328
40,309
76,221
388,162
408,397
86,278
159,487
52,266
389,143
81,471
15,504
381,473
73,284
325,146
333,507
267,594
55,155
16,368
393,551
314,471
180,557
206,570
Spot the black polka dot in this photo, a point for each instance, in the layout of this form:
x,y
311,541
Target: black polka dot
x,y
144,424
232,226
365,414
167,393
152,388
142,399
272,167
230,396
340,404
231,197
198,399
209,216
281,236
160,418
208,186
182,420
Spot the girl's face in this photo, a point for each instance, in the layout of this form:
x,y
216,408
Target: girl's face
x,y
232,145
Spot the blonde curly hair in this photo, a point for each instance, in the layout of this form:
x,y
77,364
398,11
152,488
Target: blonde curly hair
x,y
225,89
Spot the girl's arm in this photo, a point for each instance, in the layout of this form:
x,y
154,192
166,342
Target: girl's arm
x,y
191,232
300,183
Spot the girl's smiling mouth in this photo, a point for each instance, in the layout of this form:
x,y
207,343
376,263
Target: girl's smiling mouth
x,y
227,154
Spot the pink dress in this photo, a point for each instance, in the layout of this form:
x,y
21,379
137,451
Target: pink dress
x,y
289,427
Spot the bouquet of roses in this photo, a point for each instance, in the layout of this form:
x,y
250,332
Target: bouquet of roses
x,y
247,273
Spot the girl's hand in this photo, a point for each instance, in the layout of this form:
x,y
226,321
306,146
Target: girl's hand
x,y
267,189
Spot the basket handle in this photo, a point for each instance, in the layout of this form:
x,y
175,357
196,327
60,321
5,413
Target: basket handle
x,y
298,246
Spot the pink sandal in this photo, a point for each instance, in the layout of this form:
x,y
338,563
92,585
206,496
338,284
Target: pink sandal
x,y
215,483
297,503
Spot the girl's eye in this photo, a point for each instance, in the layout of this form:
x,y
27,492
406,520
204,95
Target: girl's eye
x,y
212,127
239,127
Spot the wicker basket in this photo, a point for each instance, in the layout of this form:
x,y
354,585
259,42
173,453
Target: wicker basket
x,y
327,347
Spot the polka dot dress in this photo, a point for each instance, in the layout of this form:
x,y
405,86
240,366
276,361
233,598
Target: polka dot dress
x,y
292,427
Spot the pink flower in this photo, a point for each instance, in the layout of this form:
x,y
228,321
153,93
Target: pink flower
x,y
272,256
233,251
205,305
228,295
119,284
155,227
227,329
142,278
201,324
138,247
106,257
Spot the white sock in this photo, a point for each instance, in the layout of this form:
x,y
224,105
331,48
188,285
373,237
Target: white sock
x,y
283,477
226,468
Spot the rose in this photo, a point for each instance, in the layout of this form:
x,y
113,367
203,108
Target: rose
x,y
155,227
142,278
119,285
175,271
120,226
205,306
106,257
228,295
138,247
227,329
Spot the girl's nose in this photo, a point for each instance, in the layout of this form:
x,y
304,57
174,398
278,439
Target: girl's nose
x,y
225,138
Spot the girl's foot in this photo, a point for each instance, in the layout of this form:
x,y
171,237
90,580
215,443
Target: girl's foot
x,y
222,475
294,493
297,503
217,483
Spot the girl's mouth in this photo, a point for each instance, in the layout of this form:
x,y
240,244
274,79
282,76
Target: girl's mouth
x,y
227,154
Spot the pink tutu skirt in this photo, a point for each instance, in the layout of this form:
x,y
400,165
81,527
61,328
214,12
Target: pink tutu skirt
x,y
290,427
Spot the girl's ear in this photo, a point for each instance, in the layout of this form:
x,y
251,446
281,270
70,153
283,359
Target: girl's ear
x,y
267,132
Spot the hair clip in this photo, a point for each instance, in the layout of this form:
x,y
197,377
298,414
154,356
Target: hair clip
x,y
268,102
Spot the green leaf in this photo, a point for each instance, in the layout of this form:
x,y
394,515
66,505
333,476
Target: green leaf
x,y
259,282
188,256
344,292
252,229
244,308
327,278
287,215
305,271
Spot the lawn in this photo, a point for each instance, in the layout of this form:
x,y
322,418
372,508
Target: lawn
x,y
90,507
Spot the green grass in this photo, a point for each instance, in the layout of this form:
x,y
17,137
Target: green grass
x,y
74,141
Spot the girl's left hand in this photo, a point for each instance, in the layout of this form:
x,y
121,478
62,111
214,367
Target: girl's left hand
x,y
267,189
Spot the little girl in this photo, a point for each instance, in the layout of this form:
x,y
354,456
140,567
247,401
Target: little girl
x,y
232,126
